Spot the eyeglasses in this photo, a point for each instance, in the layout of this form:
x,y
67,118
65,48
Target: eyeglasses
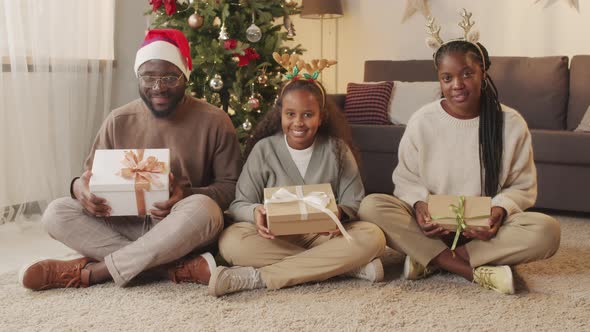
x,y
164,81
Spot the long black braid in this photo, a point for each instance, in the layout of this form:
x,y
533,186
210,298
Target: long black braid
x,y
491,119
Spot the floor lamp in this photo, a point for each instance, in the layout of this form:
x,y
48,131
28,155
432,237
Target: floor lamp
x,y
323,9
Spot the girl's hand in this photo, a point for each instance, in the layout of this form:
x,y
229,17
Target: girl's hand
x,y
429,228
337,231
497,215
260,221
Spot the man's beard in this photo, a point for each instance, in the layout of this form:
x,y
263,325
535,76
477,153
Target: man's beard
x,y
162,113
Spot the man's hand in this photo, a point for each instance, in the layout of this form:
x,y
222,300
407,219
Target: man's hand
x,y
497,215
429,228
162,209
94,205
260,221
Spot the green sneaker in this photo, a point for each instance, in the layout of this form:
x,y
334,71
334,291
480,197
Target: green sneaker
x,y
498,278
414,270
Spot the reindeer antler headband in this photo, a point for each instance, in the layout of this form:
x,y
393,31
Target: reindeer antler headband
x,y
472,37
295,66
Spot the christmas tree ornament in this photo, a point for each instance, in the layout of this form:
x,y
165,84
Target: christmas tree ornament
x,y
288,24
195,21
262,79
291,31
216,83
235,59
231,111
216,21
215,99
223,33
253,33
247,125
253,103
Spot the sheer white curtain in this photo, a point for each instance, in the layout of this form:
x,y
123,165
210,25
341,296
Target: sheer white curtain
x,y
55,89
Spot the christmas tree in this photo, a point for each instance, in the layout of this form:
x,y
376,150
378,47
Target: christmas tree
x,y
232,42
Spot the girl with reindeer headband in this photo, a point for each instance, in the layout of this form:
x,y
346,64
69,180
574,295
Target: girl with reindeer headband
x,y
469,144
304,139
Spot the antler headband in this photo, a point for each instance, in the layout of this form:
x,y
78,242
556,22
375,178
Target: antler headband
x,y
295,66
472,37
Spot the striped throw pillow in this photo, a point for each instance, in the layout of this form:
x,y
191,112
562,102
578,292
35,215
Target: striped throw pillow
x,y
368,103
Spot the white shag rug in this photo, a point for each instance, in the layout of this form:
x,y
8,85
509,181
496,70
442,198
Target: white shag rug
x,y
551,295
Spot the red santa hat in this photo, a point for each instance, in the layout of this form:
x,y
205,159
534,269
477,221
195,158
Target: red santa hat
x,y
165,44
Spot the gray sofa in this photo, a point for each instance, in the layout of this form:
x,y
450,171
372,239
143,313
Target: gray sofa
x,y
552,95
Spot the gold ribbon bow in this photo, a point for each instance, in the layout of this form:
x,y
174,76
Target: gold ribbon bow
x,y
142,171
459,211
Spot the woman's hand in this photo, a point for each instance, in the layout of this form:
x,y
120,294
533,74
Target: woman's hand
x,y
260,221
429,228
497,215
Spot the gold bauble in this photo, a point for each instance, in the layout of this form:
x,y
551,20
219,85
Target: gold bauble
x,y
195,21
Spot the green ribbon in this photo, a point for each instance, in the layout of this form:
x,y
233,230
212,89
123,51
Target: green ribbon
x,y
459,211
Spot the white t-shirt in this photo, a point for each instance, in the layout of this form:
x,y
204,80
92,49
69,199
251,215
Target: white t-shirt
x,y
300,157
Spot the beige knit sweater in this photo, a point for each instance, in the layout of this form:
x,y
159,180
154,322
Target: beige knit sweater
x,y
439,154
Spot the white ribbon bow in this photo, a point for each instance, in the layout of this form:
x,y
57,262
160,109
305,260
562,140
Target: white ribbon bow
x,y
316,199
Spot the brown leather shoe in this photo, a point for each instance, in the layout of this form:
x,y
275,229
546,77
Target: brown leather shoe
x,y
52,273
197,269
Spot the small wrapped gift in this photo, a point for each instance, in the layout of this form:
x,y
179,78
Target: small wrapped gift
x,y
463,211
457,213
131,180
302,209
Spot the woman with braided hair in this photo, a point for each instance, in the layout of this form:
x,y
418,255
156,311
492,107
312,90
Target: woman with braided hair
x,y
468,144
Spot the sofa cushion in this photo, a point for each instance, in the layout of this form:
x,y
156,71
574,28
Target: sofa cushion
x,y
408,97
368,103
579,98
536,87
561,147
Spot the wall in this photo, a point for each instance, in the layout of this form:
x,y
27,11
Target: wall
x,y
372,30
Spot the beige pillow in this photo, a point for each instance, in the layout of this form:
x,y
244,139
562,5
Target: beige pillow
x,y
585,124
408,97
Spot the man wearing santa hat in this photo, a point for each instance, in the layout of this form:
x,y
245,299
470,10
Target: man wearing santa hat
x,y
205,163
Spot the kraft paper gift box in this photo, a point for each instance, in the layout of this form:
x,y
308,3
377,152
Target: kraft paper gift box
x,y
444,208
286,218
131,180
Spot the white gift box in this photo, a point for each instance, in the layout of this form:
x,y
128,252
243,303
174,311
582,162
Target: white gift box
x,y
123,176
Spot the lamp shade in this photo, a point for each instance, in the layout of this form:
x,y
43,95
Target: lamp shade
x,y
321,9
